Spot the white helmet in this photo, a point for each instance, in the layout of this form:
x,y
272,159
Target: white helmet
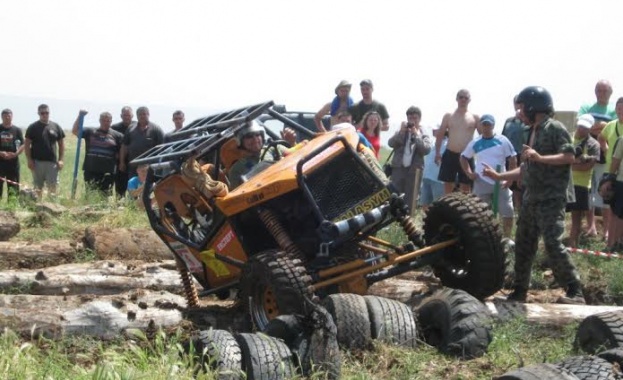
x,y
250,127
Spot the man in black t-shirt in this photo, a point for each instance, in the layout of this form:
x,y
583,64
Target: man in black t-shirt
x,y
44,159
11,146
366,104
138,140
101,153
126,123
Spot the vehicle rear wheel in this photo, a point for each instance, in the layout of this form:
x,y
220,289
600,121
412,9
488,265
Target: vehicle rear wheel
x,y
538,372
476,263
265,357
600,332
350,314
273,283
455,322
219,351
391,321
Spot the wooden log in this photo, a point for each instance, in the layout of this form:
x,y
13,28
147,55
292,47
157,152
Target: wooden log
x,y
546,313
9,225
37,255
126,244
100,278
106,317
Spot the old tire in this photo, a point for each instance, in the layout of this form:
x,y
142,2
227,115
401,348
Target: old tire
x,y
317,348
284,327
600,332
476,263
273,283
350,314
265,357
589,368
614,355
219,351
391,321
455,322
538,372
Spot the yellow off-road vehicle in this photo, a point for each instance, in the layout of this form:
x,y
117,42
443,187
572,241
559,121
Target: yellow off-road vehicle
x,y
303,225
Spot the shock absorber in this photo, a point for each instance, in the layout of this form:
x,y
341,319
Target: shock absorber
x,y
411,230
190,291
279,233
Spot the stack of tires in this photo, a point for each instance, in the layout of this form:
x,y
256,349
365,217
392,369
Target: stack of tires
x,y
601,337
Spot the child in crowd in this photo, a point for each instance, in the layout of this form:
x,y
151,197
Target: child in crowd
x,y
135,185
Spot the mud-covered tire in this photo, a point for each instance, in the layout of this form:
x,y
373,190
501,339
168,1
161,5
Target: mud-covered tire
x,y
284,327
538,372
614,355
265,357
219,351
318,351
391,321
476,263
273,283
600,332
350,315
589,368
455,322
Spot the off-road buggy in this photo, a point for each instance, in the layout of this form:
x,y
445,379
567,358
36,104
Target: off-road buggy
x,y
303,226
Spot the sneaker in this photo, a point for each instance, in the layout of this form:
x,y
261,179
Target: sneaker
x,y
574,295
519,294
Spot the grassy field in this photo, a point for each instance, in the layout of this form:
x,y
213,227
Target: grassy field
x,y
515,343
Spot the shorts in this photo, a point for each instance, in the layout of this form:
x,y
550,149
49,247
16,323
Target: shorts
x,y
451,167
484,191
595,199
581,199
617,205
431,191
45,172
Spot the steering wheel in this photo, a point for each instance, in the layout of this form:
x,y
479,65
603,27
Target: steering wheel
x,y
274,144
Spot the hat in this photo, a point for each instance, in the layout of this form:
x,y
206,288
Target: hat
x,y
601,117
343,83
487,119
366,82
586,121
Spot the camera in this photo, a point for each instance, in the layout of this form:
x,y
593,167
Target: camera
x,y
410,125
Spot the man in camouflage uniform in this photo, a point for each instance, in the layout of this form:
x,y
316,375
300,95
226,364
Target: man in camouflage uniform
x,y
545,174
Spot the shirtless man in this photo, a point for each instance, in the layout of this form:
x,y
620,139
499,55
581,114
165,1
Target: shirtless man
x,y
460,127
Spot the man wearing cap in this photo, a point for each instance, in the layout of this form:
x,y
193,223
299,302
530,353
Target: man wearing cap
x,y
586,154
410,146
493,150
341,102
11,146
367,104
460,126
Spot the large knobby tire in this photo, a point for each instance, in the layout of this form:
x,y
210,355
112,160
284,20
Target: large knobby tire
x,y
455,322
218,350
350,314
538,372
600,332
614,355
265,357
391,321
273,283
476,263
589,368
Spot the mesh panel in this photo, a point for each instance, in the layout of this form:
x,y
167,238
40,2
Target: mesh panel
x,y
341,184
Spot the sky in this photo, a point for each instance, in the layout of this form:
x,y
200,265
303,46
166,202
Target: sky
x,y
208,56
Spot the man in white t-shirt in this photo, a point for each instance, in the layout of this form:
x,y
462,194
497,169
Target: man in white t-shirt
x,y
493,150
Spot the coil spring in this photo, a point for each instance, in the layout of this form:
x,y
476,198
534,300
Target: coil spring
x,y
190,291
280,235
411,230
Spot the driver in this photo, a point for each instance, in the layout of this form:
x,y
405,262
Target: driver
x,y
251,140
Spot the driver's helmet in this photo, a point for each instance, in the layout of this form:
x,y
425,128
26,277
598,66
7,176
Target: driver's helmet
x,y
251,127
535,99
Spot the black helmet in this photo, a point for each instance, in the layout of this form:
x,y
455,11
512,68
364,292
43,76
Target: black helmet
x,y
535,99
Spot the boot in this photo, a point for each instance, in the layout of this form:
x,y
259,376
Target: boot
x,y
519,294
574,295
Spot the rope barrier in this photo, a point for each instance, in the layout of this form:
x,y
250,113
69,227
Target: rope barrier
x,y
595,253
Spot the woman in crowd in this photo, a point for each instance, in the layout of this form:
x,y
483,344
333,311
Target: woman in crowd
x,y
371,130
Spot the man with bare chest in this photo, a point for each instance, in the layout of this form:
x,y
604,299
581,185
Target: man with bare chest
x,y
460,126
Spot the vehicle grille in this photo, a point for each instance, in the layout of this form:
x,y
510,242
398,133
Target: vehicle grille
x,y
341,184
